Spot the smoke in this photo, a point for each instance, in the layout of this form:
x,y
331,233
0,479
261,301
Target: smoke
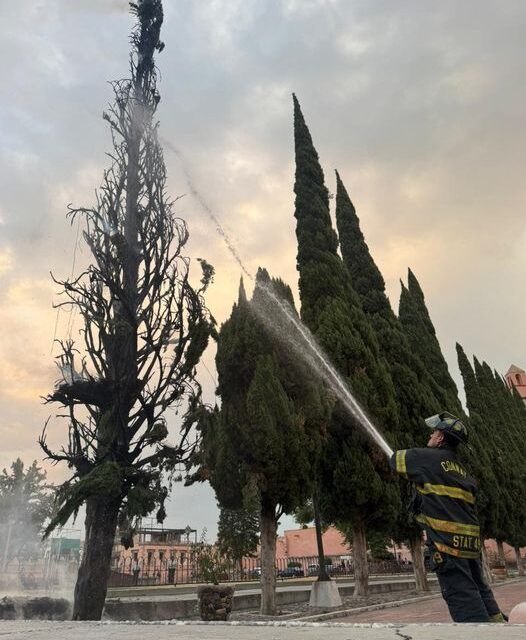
x,y
206,207
98,6
29,565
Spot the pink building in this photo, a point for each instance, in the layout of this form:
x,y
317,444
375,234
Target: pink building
x,y
301,543
516,377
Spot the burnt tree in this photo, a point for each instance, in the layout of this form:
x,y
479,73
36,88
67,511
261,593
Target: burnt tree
x,y
144,329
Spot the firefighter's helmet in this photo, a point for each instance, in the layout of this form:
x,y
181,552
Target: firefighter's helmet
x,y
450,424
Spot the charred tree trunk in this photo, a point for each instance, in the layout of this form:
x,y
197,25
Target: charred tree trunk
x,y
417,556
94,570
501,555
361,566
520,564
485,564
268,559
323,576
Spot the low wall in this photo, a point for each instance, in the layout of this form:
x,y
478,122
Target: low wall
x,y
169,608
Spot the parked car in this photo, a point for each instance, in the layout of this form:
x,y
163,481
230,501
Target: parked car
x,y
312,569
255,572
291,572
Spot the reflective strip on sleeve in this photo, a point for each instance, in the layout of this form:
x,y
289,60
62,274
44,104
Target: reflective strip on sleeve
x,y
449,527
400,461
456,552
444,490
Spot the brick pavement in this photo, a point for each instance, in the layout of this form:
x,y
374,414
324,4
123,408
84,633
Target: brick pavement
x,y
507,595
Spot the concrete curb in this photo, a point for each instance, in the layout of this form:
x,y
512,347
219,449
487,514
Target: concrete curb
x,y
185,606
291,624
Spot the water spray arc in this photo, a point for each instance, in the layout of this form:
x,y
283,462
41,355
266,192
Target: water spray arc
x,y
306,347
281,319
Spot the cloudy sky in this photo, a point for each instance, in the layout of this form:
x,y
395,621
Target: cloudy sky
x,y
419,105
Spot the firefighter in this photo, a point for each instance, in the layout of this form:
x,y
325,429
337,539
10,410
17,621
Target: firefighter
x,y
445,508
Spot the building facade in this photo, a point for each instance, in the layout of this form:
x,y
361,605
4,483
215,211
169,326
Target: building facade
x,y
516,378
158,556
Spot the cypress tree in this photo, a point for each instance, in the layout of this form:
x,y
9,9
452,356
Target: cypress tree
x,y
513,426
515,415
265,435
412,383
479,454
352,471
498,442
419,328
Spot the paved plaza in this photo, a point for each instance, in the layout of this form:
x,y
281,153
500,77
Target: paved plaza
x,y
18,630
435,610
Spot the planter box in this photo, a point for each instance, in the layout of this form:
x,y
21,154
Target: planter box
x,y
215,601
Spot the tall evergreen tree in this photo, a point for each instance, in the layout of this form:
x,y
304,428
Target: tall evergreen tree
x,y
419,328
263,441
353,472
515,423
413,385
507,458
479,453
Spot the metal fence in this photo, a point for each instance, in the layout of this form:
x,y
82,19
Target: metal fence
x,y
185,570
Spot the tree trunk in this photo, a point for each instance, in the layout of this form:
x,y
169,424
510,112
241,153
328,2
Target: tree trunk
x,y
501,555
323,576
268,560
94,570
485,564
361,566
417,556
520,564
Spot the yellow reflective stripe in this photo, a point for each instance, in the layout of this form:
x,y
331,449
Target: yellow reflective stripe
x,y
400,461
456,552
449,527
444,490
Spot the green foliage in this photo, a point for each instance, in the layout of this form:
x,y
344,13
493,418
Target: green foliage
x,y
378,543
209,563
104,480
26,505
265,434
414,388
262,445
304,514
497,451
491,497
417,324
355,483
237,533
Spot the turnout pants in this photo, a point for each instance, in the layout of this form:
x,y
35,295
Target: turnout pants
x,y
468,597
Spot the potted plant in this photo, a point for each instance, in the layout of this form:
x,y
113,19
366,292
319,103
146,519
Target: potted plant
x,y
215,600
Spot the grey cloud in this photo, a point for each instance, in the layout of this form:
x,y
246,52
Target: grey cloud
x,y
419,106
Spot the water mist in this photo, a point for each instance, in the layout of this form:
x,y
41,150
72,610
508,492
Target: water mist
x,y
289,329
